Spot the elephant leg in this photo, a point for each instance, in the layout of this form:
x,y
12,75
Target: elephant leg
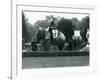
x,y
46,45
60,47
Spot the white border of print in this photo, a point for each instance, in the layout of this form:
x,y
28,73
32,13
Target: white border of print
x,y
18,73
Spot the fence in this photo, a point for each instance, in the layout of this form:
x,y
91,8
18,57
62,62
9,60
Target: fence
x,y
54,53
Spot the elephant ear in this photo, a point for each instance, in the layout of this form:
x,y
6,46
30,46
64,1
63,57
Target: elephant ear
x,y
38,36
43,34
61,36
47,36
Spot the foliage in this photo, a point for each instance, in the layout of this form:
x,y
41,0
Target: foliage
x,y
75,23
25,32
65,26
84,25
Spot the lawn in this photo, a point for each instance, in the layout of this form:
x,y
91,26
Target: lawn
x,y
60,61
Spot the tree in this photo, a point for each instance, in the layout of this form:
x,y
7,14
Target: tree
x,y
25,33
75,23
65,26
84,25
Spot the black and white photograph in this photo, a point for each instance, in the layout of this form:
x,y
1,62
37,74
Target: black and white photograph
x,y
50,40
53,39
